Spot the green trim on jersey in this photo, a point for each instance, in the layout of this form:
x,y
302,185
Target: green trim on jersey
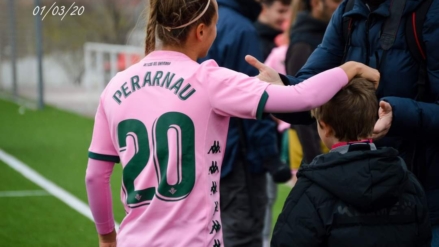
x,y
104,157
261,105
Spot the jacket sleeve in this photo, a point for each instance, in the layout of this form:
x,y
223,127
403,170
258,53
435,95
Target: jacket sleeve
x,y
299,224
412,118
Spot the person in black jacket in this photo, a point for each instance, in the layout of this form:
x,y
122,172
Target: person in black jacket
x,y
270,21
356,195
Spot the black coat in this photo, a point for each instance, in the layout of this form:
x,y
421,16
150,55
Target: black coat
x,y
356,198
415,125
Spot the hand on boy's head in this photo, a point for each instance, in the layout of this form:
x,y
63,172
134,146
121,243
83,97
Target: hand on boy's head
x,y
384,122
266,73
370,74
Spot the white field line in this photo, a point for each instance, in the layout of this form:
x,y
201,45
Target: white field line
x,y
47,185
23,193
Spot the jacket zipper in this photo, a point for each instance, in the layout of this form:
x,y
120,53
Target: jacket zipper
x,y
367,39
367,35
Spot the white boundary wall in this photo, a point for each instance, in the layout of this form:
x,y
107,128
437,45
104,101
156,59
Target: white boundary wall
x,y
96,57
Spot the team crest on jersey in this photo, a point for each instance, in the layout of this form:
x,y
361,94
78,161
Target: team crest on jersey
x,y
172,190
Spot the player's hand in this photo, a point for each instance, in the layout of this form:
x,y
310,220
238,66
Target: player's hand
x,y
266,73
108,240
384,122
113,244
355,69
370,74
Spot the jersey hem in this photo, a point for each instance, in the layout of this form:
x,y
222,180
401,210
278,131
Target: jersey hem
x,y
261,105
104,157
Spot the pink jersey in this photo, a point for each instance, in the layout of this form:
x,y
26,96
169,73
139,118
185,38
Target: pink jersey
x,y
166,119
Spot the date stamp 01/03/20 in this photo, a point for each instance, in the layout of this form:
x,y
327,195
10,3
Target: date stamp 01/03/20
x,y
60,11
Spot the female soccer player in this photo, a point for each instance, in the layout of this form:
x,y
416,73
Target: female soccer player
x,y
165,119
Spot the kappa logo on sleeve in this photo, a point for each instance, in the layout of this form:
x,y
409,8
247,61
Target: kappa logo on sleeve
x,y
213,168
213,188
216,206
215,227
216,243
215,148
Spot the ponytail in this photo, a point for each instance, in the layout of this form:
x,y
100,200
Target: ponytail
x,y
171,20
151,27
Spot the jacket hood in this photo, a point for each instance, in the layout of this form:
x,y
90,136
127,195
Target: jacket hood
x,y
266,31
248,8
306,23
368,180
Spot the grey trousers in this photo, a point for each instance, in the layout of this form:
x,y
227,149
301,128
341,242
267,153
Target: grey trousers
x,y
271,196
243,206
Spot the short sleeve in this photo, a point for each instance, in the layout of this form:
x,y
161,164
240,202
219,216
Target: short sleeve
x,y
232,93
101,147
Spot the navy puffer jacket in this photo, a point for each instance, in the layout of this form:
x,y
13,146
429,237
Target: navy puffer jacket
x,y
415,125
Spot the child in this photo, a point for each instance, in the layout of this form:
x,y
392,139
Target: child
x,y
355,195
165,120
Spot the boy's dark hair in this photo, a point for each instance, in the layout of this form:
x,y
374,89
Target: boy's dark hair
x,y
352,112
270,2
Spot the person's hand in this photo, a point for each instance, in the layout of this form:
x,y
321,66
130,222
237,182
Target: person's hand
x,y
370,74
108,240
112,244
355,69
384,122
266,73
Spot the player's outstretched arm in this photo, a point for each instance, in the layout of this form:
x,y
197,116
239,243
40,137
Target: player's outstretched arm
x,y
97,181
317,90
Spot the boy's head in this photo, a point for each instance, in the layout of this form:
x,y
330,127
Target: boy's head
x,y
350,115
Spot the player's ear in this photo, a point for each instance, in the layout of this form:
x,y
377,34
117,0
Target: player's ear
x,y
200,31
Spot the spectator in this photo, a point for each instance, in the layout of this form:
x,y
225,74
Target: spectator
x,y
251,145
270,25
310,19
411,122
356,195
270,22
